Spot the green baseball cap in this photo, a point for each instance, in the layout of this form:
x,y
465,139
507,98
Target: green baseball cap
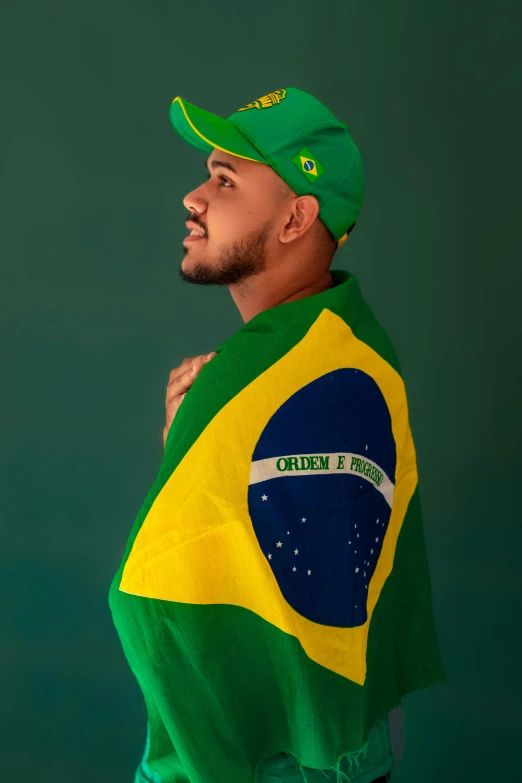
x,y
297,136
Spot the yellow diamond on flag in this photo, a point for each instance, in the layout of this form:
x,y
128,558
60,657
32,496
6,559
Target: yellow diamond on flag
x,y
308,165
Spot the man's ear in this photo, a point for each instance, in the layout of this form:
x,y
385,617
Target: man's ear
x,y
304,212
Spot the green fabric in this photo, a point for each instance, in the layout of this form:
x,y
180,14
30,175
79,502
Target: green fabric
x,y
363,768
295,134
226,685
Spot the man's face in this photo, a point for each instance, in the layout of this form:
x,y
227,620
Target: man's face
x,y
237,211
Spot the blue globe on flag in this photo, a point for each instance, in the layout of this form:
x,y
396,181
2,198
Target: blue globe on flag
x,y
321,493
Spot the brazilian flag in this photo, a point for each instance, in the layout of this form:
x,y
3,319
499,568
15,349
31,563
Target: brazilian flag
x,y
274,595
310,166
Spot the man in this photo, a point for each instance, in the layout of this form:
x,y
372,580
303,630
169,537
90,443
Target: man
x,y
264,242
266,653
260,239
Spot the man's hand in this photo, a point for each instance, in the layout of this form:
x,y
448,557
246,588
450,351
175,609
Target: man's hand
x,y
180,381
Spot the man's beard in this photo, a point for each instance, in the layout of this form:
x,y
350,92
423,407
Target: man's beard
x,y
236,262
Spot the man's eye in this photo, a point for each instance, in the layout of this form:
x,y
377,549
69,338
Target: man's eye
x,y
224,179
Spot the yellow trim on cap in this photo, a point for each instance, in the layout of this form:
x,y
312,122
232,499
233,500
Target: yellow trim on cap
x,y
342,240
213,144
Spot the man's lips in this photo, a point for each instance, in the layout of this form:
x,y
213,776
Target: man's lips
x,y
194,227
193,238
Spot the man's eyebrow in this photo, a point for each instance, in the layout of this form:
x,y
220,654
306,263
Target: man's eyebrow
x,y
216,163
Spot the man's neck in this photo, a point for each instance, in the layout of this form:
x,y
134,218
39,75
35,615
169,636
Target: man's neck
x,y
249,308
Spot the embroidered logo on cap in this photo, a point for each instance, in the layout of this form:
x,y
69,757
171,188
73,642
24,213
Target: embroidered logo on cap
x,y
310,166
272,99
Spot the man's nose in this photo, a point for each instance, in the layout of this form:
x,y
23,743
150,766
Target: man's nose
x,y
194,202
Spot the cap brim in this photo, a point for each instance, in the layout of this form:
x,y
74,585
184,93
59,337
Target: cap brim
x,y
207,131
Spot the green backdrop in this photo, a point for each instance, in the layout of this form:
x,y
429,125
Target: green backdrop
x,y
94,316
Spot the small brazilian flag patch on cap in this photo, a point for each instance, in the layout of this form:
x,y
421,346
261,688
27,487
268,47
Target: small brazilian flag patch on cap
x,y
309,165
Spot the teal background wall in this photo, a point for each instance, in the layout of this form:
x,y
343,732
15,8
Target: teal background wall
x,y
94,316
